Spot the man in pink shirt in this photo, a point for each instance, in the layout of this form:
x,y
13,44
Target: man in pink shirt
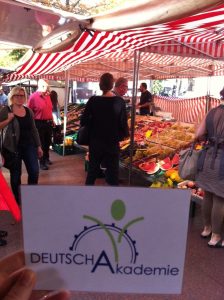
x,y
41,105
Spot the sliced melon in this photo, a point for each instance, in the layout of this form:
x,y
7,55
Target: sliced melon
x,y
149,167
175,159
166,166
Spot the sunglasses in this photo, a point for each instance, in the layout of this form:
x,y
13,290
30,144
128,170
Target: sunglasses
x,y
18,96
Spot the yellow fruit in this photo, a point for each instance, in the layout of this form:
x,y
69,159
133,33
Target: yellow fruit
x,y
169,182
170,172
156,184
165,185
173,176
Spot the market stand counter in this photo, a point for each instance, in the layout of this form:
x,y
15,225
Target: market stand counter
x,y
156,148
157,143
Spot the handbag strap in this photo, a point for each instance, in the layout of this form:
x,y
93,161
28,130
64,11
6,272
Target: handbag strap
x,y
192,148
13,131
1,140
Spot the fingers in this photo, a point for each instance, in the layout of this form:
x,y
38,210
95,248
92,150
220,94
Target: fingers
x,y
12,263
21,287
60,295
7,281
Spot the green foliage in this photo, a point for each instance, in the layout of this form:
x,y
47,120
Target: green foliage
x,y
8,58
85,8
157,87
16,54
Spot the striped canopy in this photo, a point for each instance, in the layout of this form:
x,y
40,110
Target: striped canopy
x,y
188,47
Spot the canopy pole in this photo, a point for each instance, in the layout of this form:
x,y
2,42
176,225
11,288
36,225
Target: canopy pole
x,y
67,75
208,96
133,109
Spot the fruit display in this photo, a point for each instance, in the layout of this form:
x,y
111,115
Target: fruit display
x,y
156,139
73,117
156,152
196,191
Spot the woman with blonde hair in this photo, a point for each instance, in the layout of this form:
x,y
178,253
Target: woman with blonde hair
x,y
20,135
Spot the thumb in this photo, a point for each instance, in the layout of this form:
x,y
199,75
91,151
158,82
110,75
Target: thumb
x,y
22,287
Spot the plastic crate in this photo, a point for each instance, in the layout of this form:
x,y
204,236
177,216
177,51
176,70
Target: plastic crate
x,y
69,150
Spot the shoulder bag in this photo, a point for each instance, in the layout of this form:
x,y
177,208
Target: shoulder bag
x,y
188,164
9,159
83,136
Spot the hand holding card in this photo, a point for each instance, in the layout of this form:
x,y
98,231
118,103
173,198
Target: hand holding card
x,y
17,282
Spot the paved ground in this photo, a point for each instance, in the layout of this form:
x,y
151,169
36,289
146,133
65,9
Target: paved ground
x,y
204,272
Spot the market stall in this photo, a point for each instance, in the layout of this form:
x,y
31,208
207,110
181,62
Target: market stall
x,y
187,47
186,110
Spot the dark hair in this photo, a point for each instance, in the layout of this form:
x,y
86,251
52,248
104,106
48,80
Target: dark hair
x,y
144,85
120,81
54,99
106,82
222,93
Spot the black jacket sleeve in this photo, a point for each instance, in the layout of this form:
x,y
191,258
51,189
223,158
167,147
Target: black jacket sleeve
x,y
124,130
86,115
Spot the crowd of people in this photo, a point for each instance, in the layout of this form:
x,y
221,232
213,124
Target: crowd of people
x,y
26,129
28,124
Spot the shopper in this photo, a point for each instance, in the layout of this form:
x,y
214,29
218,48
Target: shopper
x,y
120,87
41,105
55,108
210,176
145,100
26,142
17,282
3,97
107,120
57,136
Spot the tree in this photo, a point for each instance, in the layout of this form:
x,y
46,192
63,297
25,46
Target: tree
x,y
8,58
16,54
157,87
85,8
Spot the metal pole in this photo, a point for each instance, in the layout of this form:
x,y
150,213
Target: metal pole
x,y
67,74
133,109
208,96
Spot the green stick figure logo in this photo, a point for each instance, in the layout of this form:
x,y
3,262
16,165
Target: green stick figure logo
x,y
118,211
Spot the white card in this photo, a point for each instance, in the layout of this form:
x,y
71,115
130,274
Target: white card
x,y
106,239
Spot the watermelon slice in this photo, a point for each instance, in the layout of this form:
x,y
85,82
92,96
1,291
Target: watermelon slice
x,y
166,166
175,159
149,167
153,171
166,160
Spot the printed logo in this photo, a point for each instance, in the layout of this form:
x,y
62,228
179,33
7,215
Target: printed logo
x,y
109,248
114,233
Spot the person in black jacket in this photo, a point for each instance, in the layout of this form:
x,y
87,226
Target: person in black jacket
x,y
107,120
145,100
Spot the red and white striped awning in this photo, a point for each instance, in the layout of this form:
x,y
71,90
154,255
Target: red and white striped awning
x,y
189,47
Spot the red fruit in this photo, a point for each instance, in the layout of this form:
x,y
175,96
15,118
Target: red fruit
x,y
191,184
175,159
166,166
202,193
166,160
150,167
